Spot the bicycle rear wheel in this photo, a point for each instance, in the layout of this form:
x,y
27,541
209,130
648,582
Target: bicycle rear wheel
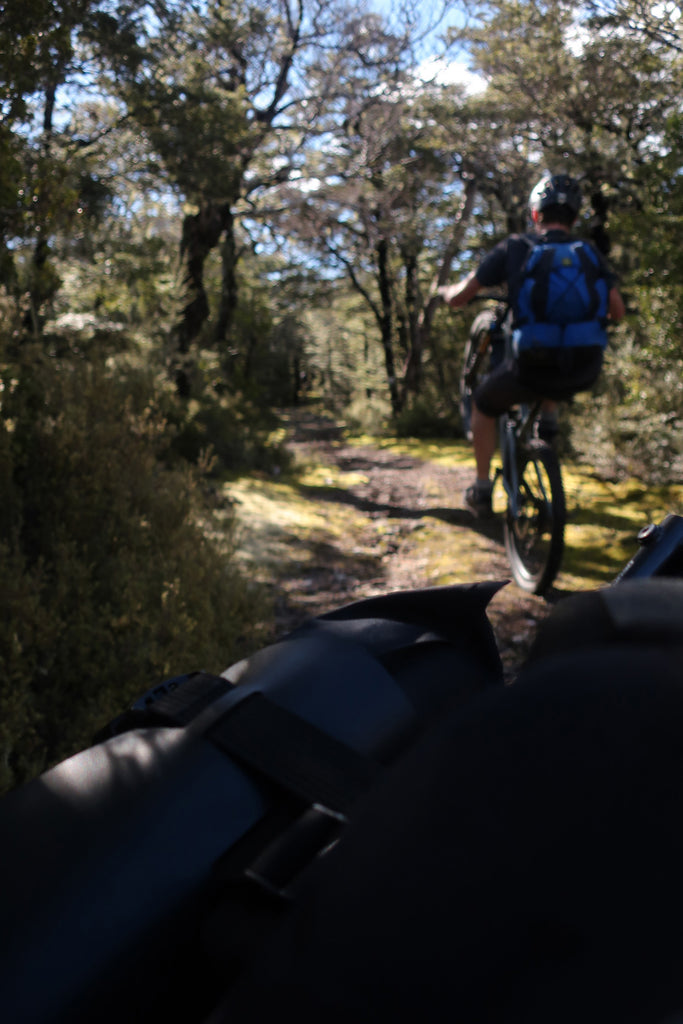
x,y
468,381
534,537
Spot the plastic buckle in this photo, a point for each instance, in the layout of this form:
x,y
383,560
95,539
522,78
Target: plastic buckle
x,y
279,865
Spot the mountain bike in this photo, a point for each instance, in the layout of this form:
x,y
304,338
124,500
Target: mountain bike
x,y
535,513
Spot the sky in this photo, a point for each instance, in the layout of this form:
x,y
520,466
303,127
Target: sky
x,y
451,72
444,14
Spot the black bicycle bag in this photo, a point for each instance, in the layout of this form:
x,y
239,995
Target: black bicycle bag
x,y
141,875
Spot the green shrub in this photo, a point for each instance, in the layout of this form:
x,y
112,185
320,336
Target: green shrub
x,y
228,429
368,415
633,423
427,416
112,583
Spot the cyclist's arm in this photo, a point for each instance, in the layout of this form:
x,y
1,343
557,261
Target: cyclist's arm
x,y
615,307
460,294
493,271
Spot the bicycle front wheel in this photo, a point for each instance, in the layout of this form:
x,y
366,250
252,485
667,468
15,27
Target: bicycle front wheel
x,y
534,531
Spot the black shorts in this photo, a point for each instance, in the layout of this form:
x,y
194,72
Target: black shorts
x,y
544,374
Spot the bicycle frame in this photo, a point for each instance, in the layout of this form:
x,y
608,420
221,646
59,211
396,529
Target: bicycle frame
x,y
514,430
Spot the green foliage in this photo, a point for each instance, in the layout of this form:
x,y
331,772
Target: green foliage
x,y
425,415
343,361
224,431
132,286
638,410
111,582
369,414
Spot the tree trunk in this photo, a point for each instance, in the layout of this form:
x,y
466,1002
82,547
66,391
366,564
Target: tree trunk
x,y
423,329
412,376
40,286
201,234
226,312
598,225
386,322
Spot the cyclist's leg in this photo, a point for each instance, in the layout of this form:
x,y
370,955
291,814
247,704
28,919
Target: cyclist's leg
x,y
576,370
548,426
486,345
484,440
478,495
500,390
497,392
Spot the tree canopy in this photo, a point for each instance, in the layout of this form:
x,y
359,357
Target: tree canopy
x,y
214,155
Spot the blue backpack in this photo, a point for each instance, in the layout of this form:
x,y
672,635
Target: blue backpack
x,y
563,298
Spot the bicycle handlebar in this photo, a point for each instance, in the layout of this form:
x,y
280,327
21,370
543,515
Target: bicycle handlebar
x,y
660,552
482,296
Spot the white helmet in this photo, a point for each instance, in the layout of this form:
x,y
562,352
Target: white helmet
x,y
556,190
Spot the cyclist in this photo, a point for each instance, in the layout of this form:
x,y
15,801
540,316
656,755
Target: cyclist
x,y
553,374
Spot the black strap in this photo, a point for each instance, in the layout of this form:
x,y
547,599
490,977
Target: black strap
x,y
292,753
179,700
591,272
174,702
541,278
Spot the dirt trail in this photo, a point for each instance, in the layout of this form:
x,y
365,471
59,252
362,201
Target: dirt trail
x,y
391,522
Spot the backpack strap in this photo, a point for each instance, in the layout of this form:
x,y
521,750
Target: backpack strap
x,y
591,272
540,273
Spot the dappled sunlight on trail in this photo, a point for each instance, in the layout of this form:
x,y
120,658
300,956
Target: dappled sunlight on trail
x,y
355,519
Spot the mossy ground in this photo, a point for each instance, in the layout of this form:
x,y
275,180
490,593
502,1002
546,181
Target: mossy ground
x,y
359,516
